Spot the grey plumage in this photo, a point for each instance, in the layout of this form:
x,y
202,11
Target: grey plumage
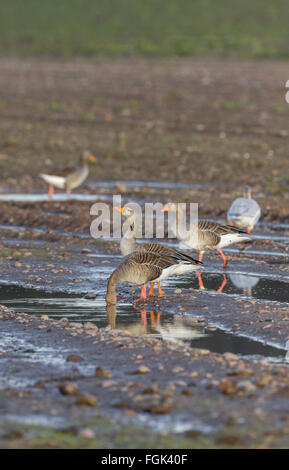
x,y
244,211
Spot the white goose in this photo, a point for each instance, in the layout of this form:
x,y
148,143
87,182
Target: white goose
x,y
244,212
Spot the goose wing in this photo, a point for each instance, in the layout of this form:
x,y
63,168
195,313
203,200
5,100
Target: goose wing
x,y
164,250
218,229
151,263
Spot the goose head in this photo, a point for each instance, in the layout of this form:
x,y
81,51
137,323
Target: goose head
x,y
247,192
87,157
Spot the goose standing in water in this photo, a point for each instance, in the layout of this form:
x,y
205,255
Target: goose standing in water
x,y
68,178
141,268
129,245
211,235
244,211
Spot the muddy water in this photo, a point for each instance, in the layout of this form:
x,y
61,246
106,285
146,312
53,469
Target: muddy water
x,y
169,327
161,324
235,283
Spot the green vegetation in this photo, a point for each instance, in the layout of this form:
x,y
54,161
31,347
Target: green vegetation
x,y
107,436
153,27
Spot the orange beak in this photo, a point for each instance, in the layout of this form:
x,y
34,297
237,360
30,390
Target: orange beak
x,y
92,158
119,209
165,209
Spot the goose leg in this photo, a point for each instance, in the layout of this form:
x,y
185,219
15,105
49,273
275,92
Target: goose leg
x,y
143,295
201,256
231,223
223,257
223,284
151,291
160,291
50,191
201,284
248,231
68,192
143,314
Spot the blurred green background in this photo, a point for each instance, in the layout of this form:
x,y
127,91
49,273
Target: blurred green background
x,y
249,28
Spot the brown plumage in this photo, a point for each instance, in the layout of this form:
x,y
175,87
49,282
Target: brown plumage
x,y
141,268
129,245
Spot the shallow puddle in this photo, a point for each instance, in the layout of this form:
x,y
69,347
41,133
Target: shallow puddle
x,y
147,184
261,288
167,326
40,197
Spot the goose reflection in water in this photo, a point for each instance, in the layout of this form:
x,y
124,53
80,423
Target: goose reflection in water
x,y
244,282
201,284
177,329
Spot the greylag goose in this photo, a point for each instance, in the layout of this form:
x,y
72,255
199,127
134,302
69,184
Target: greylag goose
x,y
244,211
129,245
141,268
68,178
211,235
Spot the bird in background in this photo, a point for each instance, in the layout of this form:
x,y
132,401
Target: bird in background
x,y
68,178
244,212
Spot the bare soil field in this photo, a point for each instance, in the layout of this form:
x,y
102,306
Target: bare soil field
x,y
206,121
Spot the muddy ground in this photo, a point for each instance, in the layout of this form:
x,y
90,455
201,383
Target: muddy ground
x,y
212,125
205,121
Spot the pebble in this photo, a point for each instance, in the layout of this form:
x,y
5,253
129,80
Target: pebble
x,y
87,400
264,380
200,352
241,371
102,373
231,357
74,358
75,325
228,387
246,386
69,389
89,325
142,370
150,390
87,433
162,408
109,383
